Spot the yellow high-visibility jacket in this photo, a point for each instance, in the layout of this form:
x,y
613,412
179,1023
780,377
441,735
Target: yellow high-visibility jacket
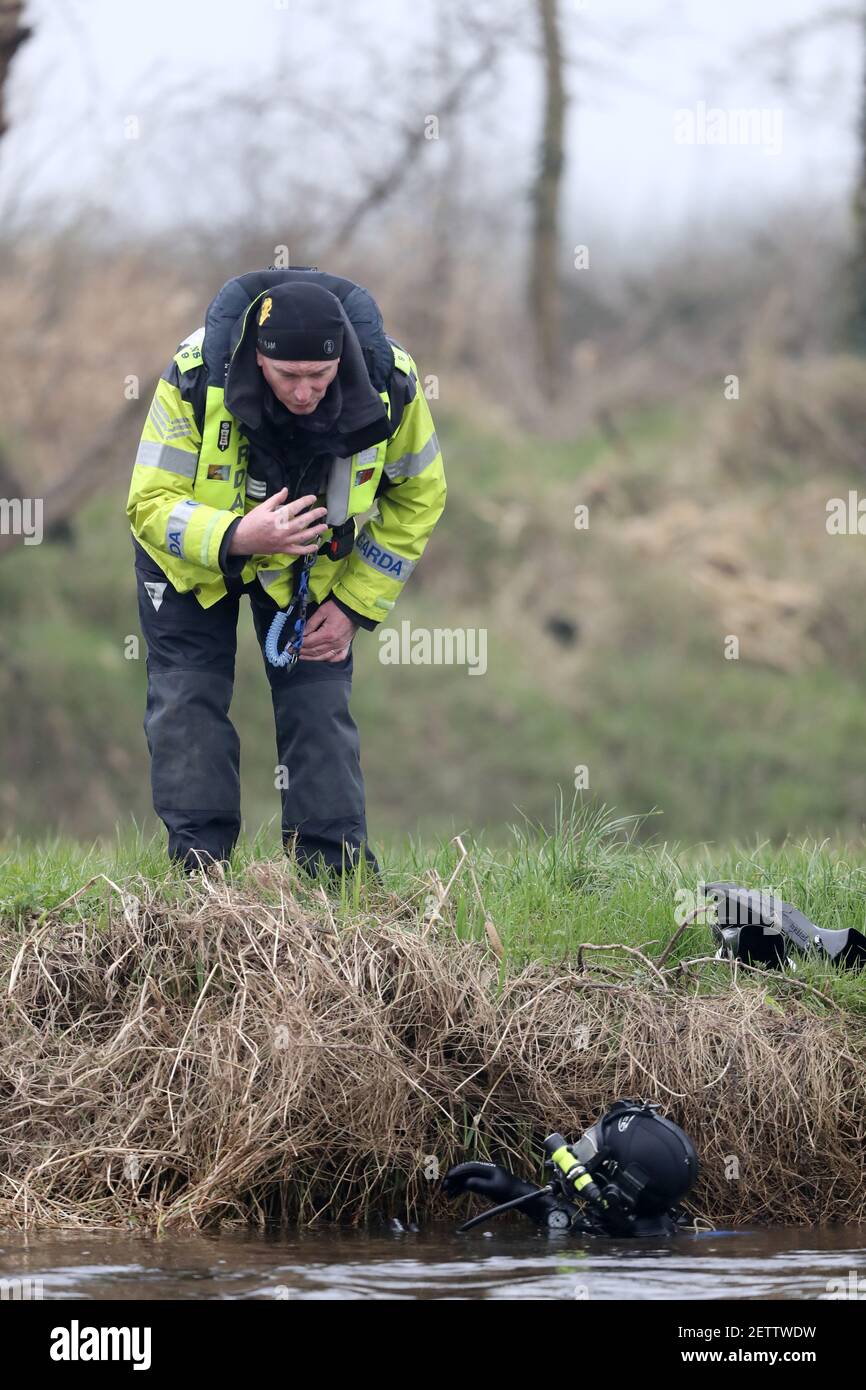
x,y
189,484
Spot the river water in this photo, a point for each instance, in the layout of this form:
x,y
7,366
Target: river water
x,y
509,1261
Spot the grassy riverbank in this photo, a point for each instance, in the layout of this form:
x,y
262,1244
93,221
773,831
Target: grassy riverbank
x,y
606,648
178,1054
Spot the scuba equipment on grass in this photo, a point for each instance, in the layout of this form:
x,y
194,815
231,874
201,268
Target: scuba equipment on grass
x,y
623,1177
756,927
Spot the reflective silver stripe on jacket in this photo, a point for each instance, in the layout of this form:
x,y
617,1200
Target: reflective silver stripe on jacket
x,y
380,558
169,426
268,577
412,464
153,455
175,530
257,488
337,497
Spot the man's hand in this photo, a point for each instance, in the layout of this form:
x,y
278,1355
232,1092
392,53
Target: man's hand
x,y
277,527
328,634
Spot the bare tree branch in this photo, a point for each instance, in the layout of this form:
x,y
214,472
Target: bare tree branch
x,y
413,138
13,32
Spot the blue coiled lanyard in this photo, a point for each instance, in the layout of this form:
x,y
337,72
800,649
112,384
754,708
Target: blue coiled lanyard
x,y
292,650
337,548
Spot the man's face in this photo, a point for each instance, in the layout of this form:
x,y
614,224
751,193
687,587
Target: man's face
x,y
299,385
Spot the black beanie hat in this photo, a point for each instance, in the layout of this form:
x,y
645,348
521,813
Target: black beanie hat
x,y
299,323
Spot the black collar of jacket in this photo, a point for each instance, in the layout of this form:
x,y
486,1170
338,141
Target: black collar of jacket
x,y
362,419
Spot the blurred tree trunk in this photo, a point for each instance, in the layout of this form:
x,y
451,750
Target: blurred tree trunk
x,y
858,267
543,276
12,34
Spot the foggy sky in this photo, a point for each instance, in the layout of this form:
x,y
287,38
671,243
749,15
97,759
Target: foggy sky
x,y
93,64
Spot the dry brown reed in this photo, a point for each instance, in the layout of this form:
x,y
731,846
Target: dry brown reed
x,y
247,1054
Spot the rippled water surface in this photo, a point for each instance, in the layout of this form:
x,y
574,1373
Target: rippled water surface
x,y
507,1262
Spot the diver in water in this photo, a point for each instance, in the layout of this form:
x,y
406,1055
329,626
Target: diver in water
x,y
623,1177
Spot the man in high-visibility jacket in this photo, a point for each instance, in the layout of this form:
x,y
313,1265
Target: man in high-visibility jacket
x,y
288,415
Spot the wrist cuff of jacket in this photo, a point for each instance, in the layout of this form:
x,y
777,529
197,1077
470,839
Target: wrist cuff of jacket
x,y
231,565
368,624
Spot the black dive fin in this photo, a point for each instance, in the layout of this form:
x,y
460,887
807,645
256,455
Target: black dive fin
x,y
746,928
756,927
846,947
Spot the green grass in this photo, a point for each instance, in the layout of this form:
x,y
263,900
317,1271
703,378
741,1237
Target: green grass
x,y
590,880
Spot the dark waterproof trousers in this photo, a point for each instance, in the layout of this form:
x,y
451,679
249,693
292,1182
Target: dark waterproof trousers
x,y
194,747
